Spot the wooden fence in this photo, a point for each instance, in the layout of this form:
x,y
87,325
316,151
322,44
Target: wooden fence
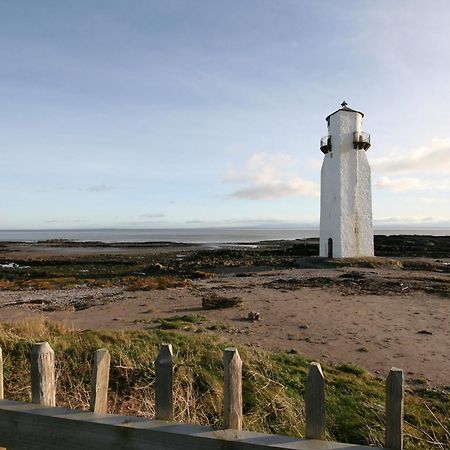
x,y
41,425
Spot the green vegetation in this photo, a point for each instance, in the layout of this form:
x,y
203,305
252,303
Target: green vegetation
x,y
170,269
273,384
137,272
180,322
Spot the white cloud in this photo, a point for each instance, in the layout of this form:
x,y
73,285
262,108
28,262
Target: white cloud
x,y
254,222
267,176
236,221
411,184
152,216
413,220
397,184
419,169
65,221
434,158
270,190
428,200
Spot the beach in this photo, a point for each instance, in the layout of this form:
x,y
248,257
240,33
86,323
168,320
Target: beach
x,y
391,310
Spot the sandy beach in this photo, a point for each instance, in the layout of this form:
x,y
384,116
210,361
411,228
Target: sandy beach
x,y
394,313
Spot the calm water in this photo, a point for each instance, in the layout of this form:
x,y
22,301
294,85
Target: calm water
x,y
198,235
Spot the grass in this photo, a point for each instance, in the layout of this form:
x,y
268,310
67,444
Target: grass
x,y
162,270
137,272
367,261
273,384
218,327
151,283
179,322
131,282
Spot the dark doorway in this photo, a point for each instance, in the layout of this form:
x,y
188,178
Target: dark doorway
x,y
330,248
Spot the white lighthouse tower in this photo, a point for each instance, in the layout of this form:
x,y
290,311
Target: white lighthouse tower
x,y
345,195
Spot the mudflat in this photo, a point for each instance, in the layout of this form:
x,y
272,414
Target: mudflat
x,y
391,310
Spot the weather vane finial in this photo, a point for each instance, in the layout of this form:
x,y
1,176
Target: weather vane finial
x,y
344,104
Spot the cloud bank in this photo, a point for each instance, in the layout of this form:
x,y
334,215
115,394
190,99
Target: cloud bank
x,y
411,184
152,216
417,170
266,177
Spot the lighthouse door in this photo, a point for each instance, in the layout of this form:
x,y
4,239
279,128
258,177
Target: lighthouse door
x,y
330,248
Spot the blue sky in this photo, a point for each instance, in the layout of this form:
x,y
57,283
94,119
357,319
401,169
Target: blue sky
x,y
203,113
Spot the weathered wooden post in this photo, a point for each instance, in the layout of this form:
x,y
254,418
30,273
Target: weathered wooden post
x,y
232,389
100,381
395,389
1,375
315,403
164,383
1,382
43,388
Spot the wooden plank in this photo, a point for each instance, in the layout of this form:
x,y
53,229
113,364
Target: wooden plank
x,y
35,427
232,389
43,388
315,403
164,383
100,381
395,388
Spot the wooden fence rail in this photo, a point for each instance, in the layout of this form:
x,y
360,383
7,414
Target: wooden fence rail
x,y
41,425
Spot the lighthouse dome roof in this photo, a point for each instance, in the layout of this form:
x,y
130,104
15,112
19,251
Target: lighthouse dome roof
x,y
344,108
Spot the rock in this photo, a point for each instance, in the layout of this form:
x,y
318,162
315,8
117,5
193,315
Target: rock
x,y
214,301
253,316
158,267
424,332
353,276
201,275
80,305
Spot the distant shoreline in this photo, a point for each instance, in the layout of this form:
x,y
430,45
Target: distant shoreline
x,y
196,236
394,245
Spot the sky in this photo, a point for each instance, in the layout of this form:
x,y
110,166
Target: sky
x,y
150,114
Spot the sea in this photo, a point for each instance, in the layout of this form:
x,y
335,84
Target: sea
x,y
191,235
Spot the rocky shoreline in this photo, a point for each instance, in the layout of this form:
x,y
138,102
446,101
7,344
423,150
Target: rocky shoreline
x,y
385,245
392,309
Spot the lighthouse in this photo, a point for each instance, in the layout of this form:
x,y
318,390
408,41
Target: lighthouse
x,y
345,193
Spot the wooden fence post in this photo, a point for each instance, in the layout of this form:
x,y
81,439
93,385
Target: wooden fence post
x,y
164,383
99,381
232,389
2,393
1,375
315,403
43,389
395,389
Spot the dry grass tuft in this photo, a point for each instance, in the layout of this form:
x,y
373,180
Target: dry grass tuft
x,y
147,284
367,261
